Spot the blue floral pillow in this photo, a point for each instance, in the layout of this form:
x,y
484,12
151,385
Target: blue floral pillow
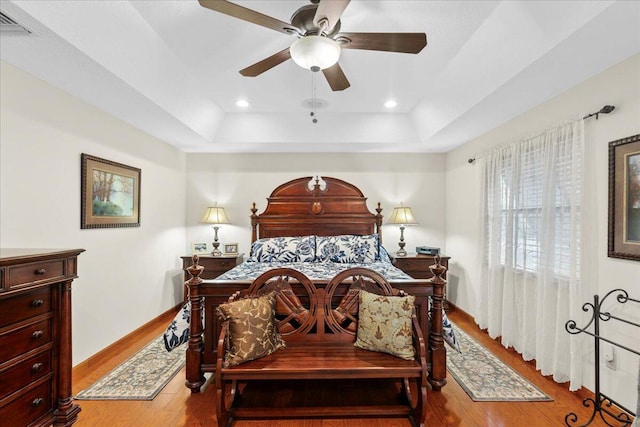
x,y
284,249
448,333
177,333
383,255
347,249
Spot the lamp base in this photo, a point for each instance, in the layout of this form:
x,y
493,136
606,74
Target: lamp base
x,y
216,251
401,251
401,243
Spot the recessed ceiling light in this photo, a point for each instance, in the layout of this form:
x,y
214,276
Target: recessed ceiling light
x,y
390,104
242,103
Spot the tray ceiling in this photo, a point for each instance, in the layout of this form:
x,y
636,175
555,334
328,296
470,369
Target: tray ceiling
x,y
170,68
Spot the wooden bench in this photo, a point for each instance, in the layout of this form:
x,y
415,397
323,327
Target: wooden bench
x,y
319,327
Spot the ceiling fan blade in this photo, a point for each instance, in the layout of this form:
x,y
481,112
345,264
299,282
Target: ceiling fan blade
x,y
389,42
331,10
336,78
249,15
266,64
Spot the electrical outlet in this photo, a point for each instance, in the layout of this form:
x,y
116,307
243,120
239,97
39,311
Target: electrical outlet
x,y
609,356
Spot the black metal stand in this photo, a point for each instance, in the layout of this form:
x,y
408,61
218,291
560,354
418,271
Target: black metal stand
x,y
602,405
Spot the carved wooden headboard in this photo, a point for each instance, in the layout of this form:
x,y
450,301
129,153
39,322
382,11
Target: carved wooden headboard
x,y
315,205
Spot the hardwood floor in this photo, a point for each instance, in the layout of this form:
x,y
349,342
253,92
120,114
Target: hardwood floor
x,y
176,406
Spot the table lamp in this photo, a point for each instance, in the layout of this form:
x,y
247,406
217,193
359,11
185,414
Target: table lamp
x,y
401,216
215,216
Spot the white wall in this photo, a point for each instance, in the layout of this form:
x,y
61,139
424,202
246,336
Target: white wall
x,y
235,181
619,86
127,276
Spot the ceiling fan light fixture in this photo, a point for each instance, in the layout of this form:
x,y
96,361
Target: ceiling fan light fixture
x,y
315,52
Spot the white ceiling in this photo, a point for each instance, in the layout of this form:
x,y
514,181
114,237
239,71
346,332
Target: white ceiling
x,y
170,68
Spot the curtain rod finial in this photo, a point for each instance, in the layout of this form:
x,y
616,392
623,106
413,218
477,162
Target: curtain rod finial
x,y
604,110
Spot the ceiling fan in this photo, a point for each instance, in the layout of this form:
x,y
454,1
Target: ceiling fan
x,y
319,40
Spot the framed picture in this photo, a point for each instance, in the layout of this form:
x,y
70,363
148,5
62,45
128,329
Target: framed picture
x,y
199,248
231,248
624,198
110,194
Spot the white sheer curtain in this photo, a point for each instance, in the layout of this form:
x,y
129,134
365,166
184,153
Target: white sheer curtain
x,y
531,248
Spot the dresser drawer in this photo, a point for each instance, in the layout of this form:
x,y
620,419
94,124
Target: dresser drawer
x,y
418,273
24,339
25,305
28,407
25,372
412,264
223,265
35,272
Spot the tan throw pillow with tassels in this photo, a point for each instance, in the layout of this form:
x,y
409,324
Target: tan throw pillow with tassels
x,y
384,324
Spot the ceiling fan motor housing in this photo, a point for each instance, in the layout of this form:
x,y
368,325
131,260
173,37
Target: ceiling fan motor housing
x,y
303,19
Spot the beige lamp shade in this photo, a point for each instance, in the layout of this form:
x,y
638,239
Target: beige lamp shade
x,y
402,216
215,215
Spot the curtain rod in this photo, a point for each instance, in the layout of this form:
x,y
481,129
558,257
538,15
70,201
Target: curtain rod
x,y
604,110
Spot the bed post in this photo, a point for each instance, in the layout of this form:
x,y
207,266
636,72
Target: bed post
x,y
379,222
194,376
438,374
254,223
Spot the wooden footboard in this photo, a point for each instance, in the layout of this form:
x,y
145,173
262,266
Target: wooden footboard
x,y
205,296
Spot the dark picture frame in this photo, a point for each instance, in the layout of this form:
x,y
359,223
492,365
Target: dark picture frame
x,y
624,198
110,194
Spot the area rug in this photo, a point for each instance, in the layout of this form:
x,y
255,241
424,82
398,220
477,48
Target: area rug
x,y
485,377
141,377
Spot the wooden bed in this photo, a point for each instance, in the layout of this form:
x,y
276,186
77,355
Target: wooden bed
x,y
309,206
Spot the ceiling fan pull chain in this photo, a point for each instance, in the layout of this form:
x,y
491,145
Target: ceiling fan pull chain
x,y
314,119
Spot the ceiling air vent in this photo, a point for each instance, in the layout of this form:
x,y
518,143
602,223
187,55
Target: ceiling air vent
x,y
10,26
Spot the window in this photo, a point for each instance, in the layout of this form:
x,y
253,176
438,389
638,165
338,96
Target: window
x,y
530,207
530,279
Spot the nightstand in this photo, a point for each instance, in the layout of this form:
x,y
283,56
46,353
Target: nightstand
x,y
214,266
417,266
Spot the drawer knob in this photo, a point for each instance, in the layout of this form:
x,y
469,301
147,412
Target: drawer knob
x,y
37,302
37,334
37,402
37,367
40,271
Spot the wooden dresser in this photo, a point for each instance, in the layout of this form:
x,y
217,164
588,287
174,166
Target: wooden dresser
x,y
35,336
